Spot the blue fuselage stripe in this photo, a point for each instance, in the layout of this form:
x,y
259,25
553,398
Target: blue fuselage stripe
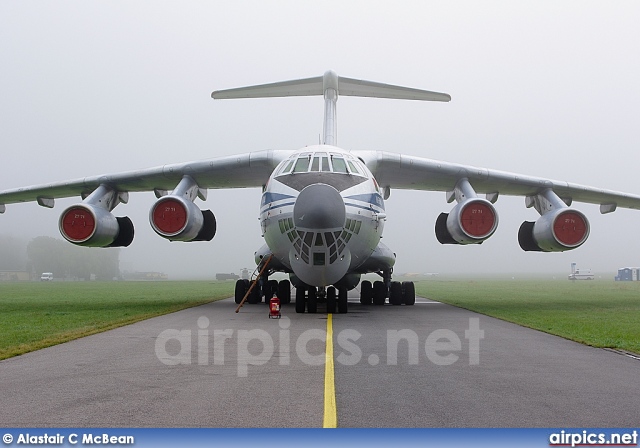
x,y
370,207
277,206
373,207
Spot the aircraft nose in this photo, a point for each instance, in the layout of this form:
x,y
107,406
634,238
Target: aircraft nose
x,y
319,206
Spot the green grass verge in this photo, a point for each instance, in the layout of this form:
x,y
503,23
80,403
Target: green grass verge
x,y
599,313
38,315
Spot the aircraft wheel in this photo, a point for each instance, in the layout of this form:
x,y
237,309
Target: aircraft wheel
x,y
240,291
300,300
366,292
342,300
263,286
312,300
395,293
379,293
272,288
284,291
331,300
255,297
409,293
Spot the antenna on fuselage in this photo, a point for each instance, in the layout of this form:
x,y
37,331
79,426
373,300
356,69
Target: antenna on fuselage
x,y
330,85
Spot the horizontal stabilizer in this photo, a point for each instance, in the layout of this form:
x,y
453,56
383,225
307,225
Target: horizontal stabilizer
x,y
357,87
297,87
317,86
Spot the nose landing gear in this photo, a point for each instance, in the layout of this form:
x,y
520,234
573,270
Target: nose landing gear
x,y
308,297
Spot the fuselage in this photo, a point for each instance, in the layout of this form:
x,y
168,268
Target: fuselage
x,y
322,214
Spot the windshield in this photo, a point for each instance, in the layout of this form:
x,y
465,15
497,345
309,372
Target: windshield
x,y
321,162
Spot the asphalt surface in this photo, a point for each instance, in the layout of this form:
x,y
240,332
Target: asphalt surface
x,y
523,378
517,378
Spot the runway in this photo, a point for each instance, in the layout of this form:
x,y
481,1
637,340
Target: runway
x,y
394,367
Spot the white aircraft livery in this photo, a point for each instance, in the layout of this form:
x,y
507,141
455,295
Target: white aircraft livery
x,y
322,212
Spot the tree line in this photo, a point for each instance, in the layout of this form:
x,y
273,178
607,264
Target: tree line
x,y
46,254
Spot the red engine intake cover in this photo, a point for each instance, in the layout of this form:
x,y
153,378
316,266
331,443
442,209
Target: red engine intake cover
x,y
78,224
570,228
170,216
477,219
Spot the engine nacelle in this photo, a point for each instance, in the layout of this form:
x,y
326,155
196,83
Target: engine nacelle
x,y
88,225
557,231
470,222
178,219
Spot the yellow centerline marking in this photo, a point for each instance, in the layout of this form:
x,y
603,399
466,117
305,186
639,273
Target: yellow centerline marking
x,y
330,410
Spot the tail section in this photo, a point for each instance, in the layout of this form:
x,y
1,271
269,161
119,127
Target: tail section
x,y
330,85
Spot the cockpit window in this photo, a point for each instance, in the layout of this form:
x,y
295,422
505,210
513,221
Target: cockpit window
x,y
339,166
315,166
287,167
325,163
322,162
302,165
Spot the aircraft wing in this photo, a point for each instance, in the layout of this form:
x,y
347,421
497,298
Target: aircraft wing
x,y
401,171
237,171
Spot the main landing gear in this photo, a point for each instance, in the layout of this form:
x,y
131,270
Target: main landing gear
x,y
334,300
399,293
264,289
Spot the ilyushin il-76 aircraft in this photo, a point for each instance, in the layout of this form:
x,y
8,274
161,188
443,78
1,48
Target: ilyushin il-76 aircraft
x,y
322,212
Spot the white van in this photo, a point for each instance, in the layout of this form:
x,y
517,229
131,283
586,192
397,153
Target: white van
x,y
46,277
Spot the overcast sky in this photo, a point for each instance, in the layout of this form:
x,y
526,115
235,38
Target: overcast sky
x,y
547,88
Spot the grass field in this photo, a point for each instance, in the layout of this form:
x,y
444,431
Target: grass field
x,y
600,313
35,315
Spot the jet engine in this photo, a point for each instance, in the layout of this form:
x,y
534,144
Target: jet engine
x,y
175,217
470,222
557,231
559,227
90,225
91,222
178,219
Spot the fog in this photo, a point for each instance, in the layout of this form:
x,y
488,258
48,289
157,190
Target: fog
x,y
544,88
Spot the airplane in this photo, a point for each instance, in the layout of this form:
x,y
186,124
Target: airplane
x,y
322,212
